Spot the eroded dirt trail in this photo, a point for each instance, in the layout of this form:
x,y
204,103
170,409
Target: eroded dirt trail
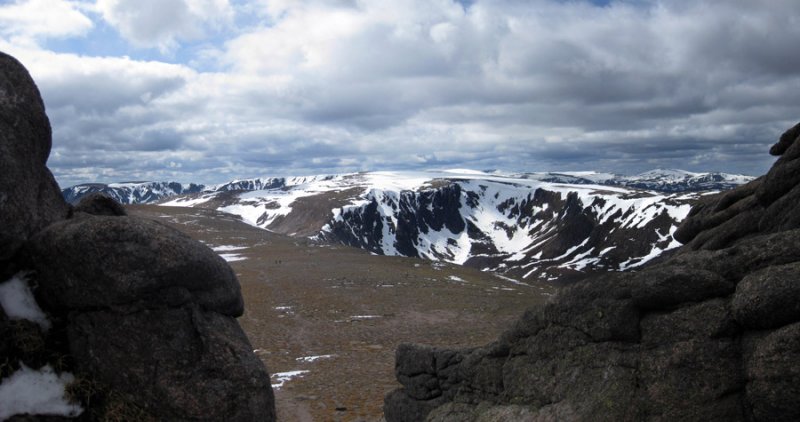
x,y
327,319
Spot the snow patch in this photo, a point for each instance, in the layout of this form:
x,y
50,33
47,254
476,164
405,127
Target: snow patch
x,y
511,280
313,358
226,248
28,391
282,377
232,257
18,301
188,202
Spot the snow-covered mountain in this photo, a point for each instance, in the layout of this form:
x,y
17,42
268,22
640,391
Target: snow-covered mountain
x,y
660,180
534,225
131,192
522,227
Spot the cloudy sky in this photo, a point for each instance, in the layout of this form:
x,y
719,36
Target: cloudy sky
x,y
212,90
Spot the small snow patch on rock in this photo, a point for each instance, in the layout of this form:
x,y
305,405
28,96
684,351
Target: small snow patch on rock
x,y
18,302
32,392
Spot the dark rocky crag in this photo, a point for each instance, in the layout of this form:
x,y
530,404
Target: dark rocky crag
x,y
573,236
141,314
712,333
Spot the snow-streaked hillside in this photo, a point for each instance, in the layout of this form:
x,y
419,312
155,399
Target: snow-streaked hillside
x,y
131,192
533,225
659,180
522,227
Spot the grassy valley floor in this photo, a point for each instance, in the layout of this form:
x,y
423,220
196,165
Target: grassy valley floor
x,y
326,319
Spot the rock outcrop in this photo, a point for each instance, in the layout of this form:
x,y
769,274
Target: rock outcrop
x,y
99,204
142,315
713,333
100,262
29,196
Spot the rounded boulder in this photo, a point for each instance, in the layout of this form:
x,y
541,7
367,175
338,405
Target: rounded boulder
x,y
128,263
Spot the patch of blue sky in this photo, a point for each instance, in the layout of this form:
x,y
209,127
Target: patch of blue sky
x,y
101,41
465,3
104,41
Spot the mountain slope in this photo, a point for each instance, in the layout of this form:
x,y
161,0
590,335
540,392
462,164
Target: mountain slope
x,y
522,230
521,227
131,192
659,180
535,225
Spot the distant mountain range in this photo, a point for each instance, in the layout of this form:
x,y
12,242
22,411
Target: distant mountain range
x,y
522,226
659,180
132,192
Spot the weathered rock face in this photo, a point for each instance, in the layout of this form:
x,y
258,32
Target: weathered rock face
x,y
143,315
712,333
100,262
29,196
175,363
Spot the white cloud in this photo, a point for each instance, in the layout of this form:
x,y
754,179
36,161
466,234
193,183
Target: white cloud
x,y
165,23
28,20
378,63
102,85
320,86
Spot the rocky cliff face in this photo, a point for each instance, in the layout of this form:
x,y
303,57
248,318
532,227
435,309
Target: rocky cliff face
x,y
711,334
550,232
143,316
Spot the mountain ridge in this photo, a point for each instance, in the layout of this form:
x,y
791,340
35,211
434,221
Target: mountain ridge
x,y
657,178
130,192
535,225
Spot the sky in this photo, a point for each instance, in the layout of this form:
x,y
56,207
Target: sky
x,y
213,90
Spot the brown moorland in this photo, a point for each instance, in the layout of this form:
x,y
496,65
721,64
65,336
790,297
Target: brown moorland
x,y
339,313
